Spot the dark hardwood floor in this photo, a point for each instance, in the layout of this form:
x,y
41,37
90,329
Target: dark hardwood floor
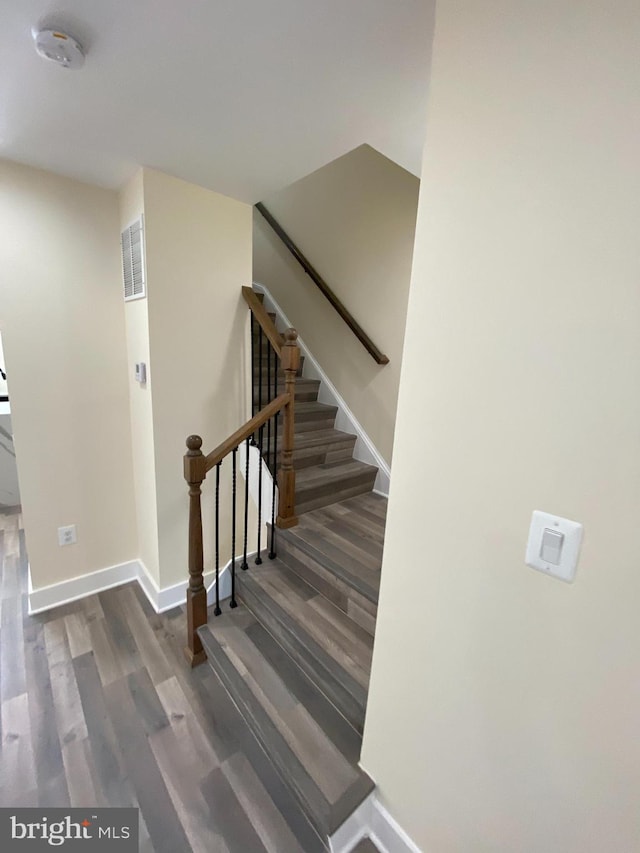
x,y
99,708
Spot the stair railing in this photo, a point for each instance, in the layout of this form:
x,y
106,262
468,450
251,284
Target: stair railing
x,y
378,356
283,351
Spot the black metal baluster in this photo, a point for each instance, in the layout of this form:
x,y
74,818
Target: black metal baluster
x,y
217,610
260,434
260,346
244,565
234,454
253,366
272,552
268,401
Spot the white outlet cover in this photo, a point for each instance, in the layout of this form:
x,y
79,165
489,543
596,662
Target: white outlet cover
x,y
572,531
67,535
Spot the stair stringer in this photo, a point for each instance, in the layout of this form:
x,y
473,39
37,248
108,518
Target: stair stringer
x,y
346,421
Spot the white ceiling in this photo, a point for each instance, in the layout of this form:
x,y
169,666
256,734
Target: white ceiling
x,y
242,96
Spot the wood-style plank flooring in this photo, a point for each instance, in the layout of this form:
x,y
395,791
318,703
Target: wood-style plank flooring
x,y
98,708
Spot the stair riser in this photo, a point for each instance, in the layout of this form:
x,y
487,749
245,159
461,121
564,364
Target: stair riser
x,y
314,498
315,422
322,676
323,454
349,600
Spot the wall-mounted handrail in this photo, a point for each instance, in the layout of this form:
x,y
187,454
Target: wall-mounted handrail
x,y
324,288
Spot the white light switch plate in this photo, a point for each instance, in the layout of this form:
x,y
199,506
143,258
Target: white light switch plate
x,y
572,532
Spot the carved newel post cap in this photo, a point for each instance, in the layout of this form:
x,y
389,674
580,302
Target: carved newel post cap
x,y
194,443
290,336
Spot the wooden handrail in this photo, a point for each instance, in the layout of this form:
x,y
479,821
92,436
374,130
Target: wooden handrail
x,y
263,318
246,431
324,288
197,465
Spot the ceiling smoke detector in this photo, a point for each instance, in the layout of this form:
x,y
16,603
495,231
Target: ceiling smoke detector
x,y
59,47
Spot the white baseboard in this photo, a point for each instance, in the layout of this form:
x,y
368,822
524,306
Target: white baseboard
x,y
65,592
55,595
364,450
355,827
373,820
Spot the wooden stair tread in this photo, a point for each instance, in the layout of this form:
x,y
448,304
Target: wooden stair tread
x,y
332,473
312,747
336,658
333,539
320,485
312,407
322,436
314,617
312,415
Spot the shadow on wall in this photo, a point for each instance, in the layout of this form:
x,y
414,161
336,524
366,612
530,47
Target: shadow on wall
x,y
354,219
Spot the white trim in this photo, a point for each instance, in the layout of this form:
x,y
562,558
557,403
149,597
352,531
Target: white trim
x,y
371,818
267,480
163,599
387,833
364,450
355,827
57,594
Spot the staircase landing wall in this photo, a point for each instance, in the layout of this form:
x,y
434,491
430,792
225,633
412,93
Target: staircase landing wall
x,y
355,221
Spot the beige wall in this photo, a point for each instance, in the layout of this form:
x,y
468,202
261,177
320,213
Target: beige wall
x,y
141,399
354,219
504,705
3,382
62,322
198,258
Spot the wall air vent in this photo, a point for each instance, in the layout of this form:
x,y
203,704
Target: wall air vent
x,y
133,269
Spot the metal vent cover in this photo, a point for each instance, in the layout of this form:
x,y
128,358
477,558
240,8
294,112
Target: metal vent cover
x,y
133,270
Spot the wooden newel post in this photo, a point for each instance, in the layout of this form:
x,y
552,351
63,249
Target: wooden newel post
x,y
194,474
290,361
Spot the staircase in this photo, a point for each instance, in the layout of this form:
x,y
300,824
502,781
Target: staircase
x,y
326,471
295,653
